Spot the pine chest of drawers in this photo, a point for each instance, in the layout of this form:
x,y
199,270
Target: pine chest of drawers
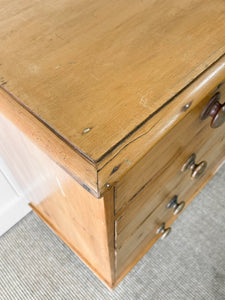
x,y
114,111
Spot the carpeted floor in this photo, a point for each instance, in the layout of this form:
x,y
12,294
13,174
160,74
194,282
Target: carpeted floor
x,y
190,264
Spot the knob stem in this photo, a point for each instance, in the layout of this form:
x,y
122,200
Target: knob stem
x,y
196,169
178,207
164,231
216,110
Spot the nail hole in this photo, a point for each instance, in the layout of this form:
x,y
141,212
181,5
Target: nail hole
x,y
186,106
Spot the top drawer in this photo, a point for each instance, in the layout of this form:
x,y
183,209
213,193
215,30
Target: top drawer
x,y
163,154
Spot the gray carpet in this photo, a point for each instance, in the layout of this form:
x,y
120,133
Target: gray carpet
x,y
190,264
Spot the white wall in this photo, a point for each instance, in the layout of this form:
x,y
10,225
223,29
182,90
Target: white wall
x,y
35,176
13,205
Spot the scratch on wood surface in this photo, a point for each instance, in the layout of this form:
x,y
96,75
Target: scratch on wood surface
x,y
3,81
128,162
144,100
60,186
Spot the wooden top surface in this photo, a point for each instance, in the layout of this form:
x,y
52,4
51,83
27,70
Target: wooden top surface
x,y
105,65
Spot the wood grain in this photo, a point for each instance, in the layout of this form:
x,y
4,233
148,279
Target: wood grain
x,y
84,223
110,94
190,134
65,156
143,248
138,219
105,65
141,238
137,144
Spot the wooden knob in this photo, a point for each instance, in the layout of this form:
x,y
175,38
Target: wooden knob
x,y
196,169
216,110
178,207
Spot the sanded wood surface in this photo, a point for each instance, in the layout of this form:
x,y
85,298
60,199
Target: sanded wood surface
x,y
104,65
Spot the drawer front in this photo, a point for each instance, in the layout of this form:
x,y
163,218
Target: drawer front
x,y
146,203
156,196
138,235
189,135
171,180
138,219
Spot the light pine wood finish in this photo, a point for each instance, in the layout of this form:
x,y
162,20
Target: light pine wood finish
x,y
84,223
81,169
145,235
147,210
105,65
191,134
106,98
131,150
162,189
92,176
144,247
140,217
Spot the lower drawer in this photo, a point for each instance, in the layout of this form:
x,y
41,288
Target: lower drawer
x,y
136,228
